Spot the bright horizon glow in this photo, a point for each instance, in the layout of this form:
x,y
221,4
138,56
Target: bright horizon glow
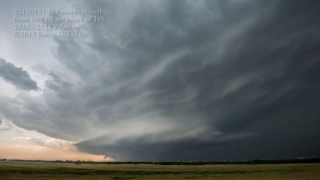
x,y
22,144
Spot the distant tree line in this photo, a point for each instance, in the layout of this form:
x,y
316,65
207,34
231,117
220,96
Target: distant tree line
x,y
283,161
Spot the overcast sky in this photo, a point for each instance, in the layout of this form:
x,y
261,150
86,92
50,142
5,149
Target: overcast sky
x,y
167,80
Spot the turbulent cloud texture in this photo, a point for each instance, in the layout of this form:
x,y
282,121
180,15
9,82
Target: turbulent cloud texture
x,y
185,80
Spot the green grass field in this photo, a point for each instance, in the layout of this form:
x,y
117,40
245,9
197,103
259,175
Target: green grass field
x,y
10,170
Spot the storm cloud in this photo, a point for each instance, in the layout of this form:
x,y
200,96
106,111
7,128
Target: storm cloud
x,y
185,80
16,76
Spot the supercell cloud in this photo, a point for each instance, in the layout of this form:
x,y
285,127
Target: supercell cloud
x,y
181,80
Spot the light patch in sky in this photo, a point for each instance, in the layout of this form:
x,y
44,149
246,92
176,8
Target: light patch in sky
x,y
19,143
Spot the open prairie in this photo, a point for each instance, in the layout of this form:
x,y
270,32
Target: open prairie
x,y
14,170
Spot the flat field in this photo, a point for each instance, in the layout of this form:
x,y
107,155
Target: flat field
x,y
18,170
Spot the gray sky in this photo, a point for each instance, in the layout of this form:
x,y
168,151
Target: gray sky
x,y
170,80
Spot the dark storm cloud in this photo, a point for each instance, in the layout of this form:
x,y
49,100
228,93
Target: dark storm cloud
x,y
252,70
187,80
17,76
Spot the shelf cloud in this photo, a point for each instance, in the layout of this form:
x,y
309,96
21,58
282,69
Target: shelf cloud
x,y
179,80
